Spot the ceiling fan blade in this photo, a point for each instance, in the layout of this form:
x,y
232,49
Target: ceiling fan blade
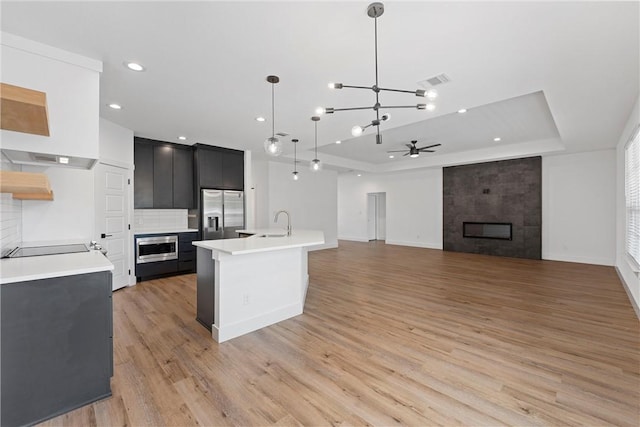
x,y
430,146
426,151
406,154
396,151
409,145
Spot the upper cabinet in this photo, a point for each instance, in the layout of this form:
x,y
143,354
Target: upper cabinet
x,y
168,176
163,175
218,167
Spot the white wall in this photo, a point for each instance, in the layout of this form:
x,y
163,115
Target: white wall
x,y
578,207
116,144
413,206
260,185
71,84
71,214
630,279
311,201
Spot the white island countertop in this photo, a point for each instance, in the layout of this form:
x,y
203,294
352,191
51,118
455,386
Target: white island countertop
x,y
47,266
256,243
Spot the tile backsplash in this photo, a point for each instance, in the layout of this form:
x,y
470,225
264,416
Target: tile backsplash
x,y
152,220
10,214
10,222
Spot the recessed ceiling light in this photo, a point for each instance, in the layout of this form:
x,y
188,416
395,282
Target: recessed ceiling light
x,y
391,156
115,106
182,138
260,119
134,66
496,139
338,142
359,174
462,110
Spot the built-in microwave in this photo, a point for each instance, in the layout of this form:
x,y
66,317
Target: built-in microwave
x,y
156,248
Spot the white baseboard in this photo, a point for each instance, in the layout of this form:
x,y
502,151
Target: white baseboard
x,y
245,326
428,245
353,239
578,259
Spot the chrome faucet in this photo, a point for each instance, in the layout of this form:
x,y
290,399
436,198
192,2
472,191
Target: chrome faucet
x,y
275,219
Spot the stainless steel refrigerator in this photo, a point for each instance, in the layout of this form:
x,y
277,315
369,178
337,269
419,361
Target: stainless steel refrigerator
x,y
222,214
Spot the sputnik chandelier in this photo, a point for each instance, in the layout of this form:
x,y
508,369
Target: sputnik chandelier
x,y
375,10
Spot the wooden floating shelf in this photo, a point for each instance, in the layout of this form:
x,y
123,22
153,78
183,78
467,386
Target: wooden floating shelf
x,y
23,110
26,185
34,196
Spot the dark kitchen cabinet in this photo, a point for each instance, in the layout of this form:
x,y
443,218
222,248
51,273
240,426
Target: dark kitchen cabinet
x,y
205,295
233,170
187,252
220,168
210,168
143,176
57,346
163,175
183,190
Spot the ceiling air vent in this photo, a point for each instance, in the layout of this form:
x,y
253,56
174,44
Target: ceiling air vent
x,y
435,81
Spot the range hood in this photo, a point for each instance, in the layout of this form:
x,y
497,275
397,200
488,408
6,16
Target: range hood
x,y
45,159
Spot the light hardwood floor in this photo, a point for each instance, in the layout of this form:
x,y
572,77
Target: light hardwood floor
x,y
390,335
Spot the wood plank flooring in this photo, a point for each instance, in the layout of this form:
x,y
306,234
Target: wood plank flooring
x,y
390,335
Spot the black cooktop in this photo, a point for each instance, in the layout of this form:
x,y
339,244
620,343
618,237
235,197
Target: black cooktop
x,y
47,250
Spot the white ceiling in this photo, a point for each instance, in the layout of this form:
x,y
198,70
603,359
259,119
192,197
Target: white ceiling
x,y
545,77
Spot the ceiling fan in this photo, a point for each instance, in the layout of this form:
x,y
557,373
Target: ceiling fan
x,y
415,151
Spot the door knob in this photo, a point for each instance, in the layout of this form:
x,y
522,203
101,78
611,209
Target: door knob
x,y
102,236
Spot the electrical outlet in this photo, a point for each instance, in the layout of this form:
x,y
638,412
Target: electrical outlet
x,y
245,299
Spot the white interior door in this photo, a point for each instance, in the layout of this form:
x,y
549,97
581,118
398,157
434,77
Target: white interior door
x,y
112,187
372,217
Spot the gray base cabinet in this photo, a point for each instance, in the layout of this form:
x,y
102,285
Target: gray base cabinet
x,y
205,288
57,346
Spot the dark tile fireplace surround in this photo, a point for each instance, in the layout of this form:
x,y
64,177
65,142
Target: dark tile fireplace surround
x,y
494,208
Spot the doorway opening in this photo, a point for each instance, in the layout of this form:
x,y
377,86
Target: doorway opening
x,y
376,216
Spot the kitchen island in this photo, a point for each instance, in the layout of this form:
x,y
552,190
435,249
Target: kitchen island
x,y
248,283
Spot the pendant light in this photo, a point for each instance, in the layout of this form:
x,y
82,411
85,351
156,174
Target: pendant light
x,y
273,145
295,160
375,10
315,164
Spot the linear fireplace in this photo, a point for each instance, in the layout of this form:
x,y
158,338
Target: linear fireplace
x,y
487,230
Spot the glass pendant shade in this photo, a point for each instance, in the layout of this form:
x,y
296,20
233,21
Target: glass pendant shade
x,y
273,146
295,175
315,165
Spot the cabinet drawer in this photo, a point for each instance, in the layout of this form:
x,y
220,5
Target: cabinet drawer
x,y
185,246
187,255
155,268
187,265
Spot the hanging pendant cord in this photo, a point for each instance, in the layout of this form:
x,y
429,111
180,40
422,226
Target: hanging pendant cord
x,y
375,26
273,112
295,157
316,123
